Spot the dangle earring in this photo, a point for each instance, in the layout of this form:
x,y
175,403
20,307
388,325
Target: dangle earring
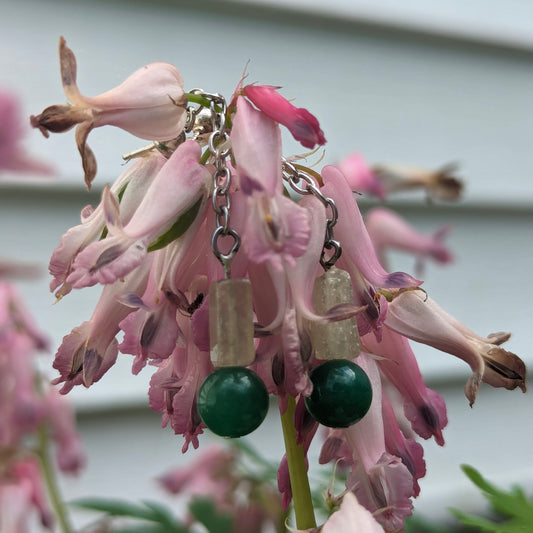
x,y
342,392
232,401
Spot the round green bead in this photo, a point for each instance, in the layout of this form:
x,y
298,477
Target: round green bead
x,y
232,401
341,395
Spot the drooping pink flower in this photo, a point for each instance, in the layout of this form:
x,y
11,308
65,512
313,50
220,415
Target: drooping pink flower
x,y
424,408
408,450
180,184
303,125
211,475
418,317
91,349
13,156
387,229
150,104
174,386
360,177
358,254
351,232
21,492
131,186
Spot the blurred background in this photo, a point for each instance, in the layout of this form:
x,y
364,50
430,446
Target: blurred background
x,y
413,82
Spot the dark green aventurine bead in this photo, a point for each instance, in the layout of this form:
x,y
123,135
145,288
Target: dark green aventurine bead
x,y
341,395
232,401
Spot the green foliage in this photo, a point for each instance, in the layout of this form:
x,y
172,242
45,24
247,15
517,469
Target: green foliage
x,y
206,513
513,508
159,518
156,518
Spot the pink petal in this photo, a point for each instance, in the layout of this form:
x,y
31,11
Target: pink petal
x,y
258,168
387,229
359,176
351,517
353,236
303,125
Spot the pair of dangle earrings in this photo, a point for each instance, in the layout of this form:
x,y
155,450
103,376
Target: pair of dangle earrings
x,y
233,401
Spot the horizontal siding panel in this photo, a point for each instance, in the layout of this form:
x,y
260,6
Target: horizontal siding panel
x,y
395,97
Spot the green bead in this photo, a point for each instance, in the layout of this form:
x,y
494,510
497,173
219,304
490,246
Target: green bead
x,y
341,395
232,401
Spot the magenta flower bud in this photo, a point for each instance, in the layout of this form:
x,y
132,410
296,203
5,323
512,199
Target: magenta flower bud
x,y
303,125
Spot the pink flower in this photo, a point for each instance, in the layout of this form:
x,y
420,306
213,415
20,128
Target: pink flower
x,y
424,408
13,157
360,177
211,475
150,104
387,229
303,125
418,317
180,184
91,349
22,491
132,185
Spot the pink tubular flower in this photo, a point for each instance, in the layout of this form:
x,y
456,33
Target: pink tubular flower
x,y
91,349
303,125
180,184
21,490
12,154
424,408
360,177
212,475
418,317
149,104
387,229
132,186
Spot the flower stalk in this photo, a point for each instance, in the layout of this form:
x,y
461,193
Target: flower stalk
x,y
301,492
52,487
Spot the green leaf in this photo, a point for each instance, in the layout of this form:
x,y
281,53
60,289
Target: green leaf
x,y
418,524
479,480
482,524
205,512
178,228
151,528
160,513
114,507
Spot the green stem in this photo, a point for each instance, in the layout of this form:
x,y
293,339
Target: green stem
x,y
301,492
52,487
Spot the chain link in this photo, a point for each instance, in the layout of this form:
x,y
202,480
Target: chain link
x,y
214,124
303,184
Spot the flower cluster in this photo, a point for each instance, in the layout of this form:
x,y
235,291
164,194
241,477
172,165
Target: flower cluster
x,y
150,243
29,410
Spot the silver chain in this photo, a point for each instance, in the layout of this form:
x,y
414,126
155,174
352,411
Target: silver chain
x,y
219,146
303,184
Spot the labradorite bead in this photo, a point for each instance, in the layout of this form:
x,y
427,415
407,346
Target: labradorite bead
x,y
232,401
341,395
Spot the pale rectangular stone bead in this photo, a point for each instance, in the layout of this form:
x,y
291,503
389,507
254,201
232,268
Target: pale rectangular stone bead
x,y
334,340
231,324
